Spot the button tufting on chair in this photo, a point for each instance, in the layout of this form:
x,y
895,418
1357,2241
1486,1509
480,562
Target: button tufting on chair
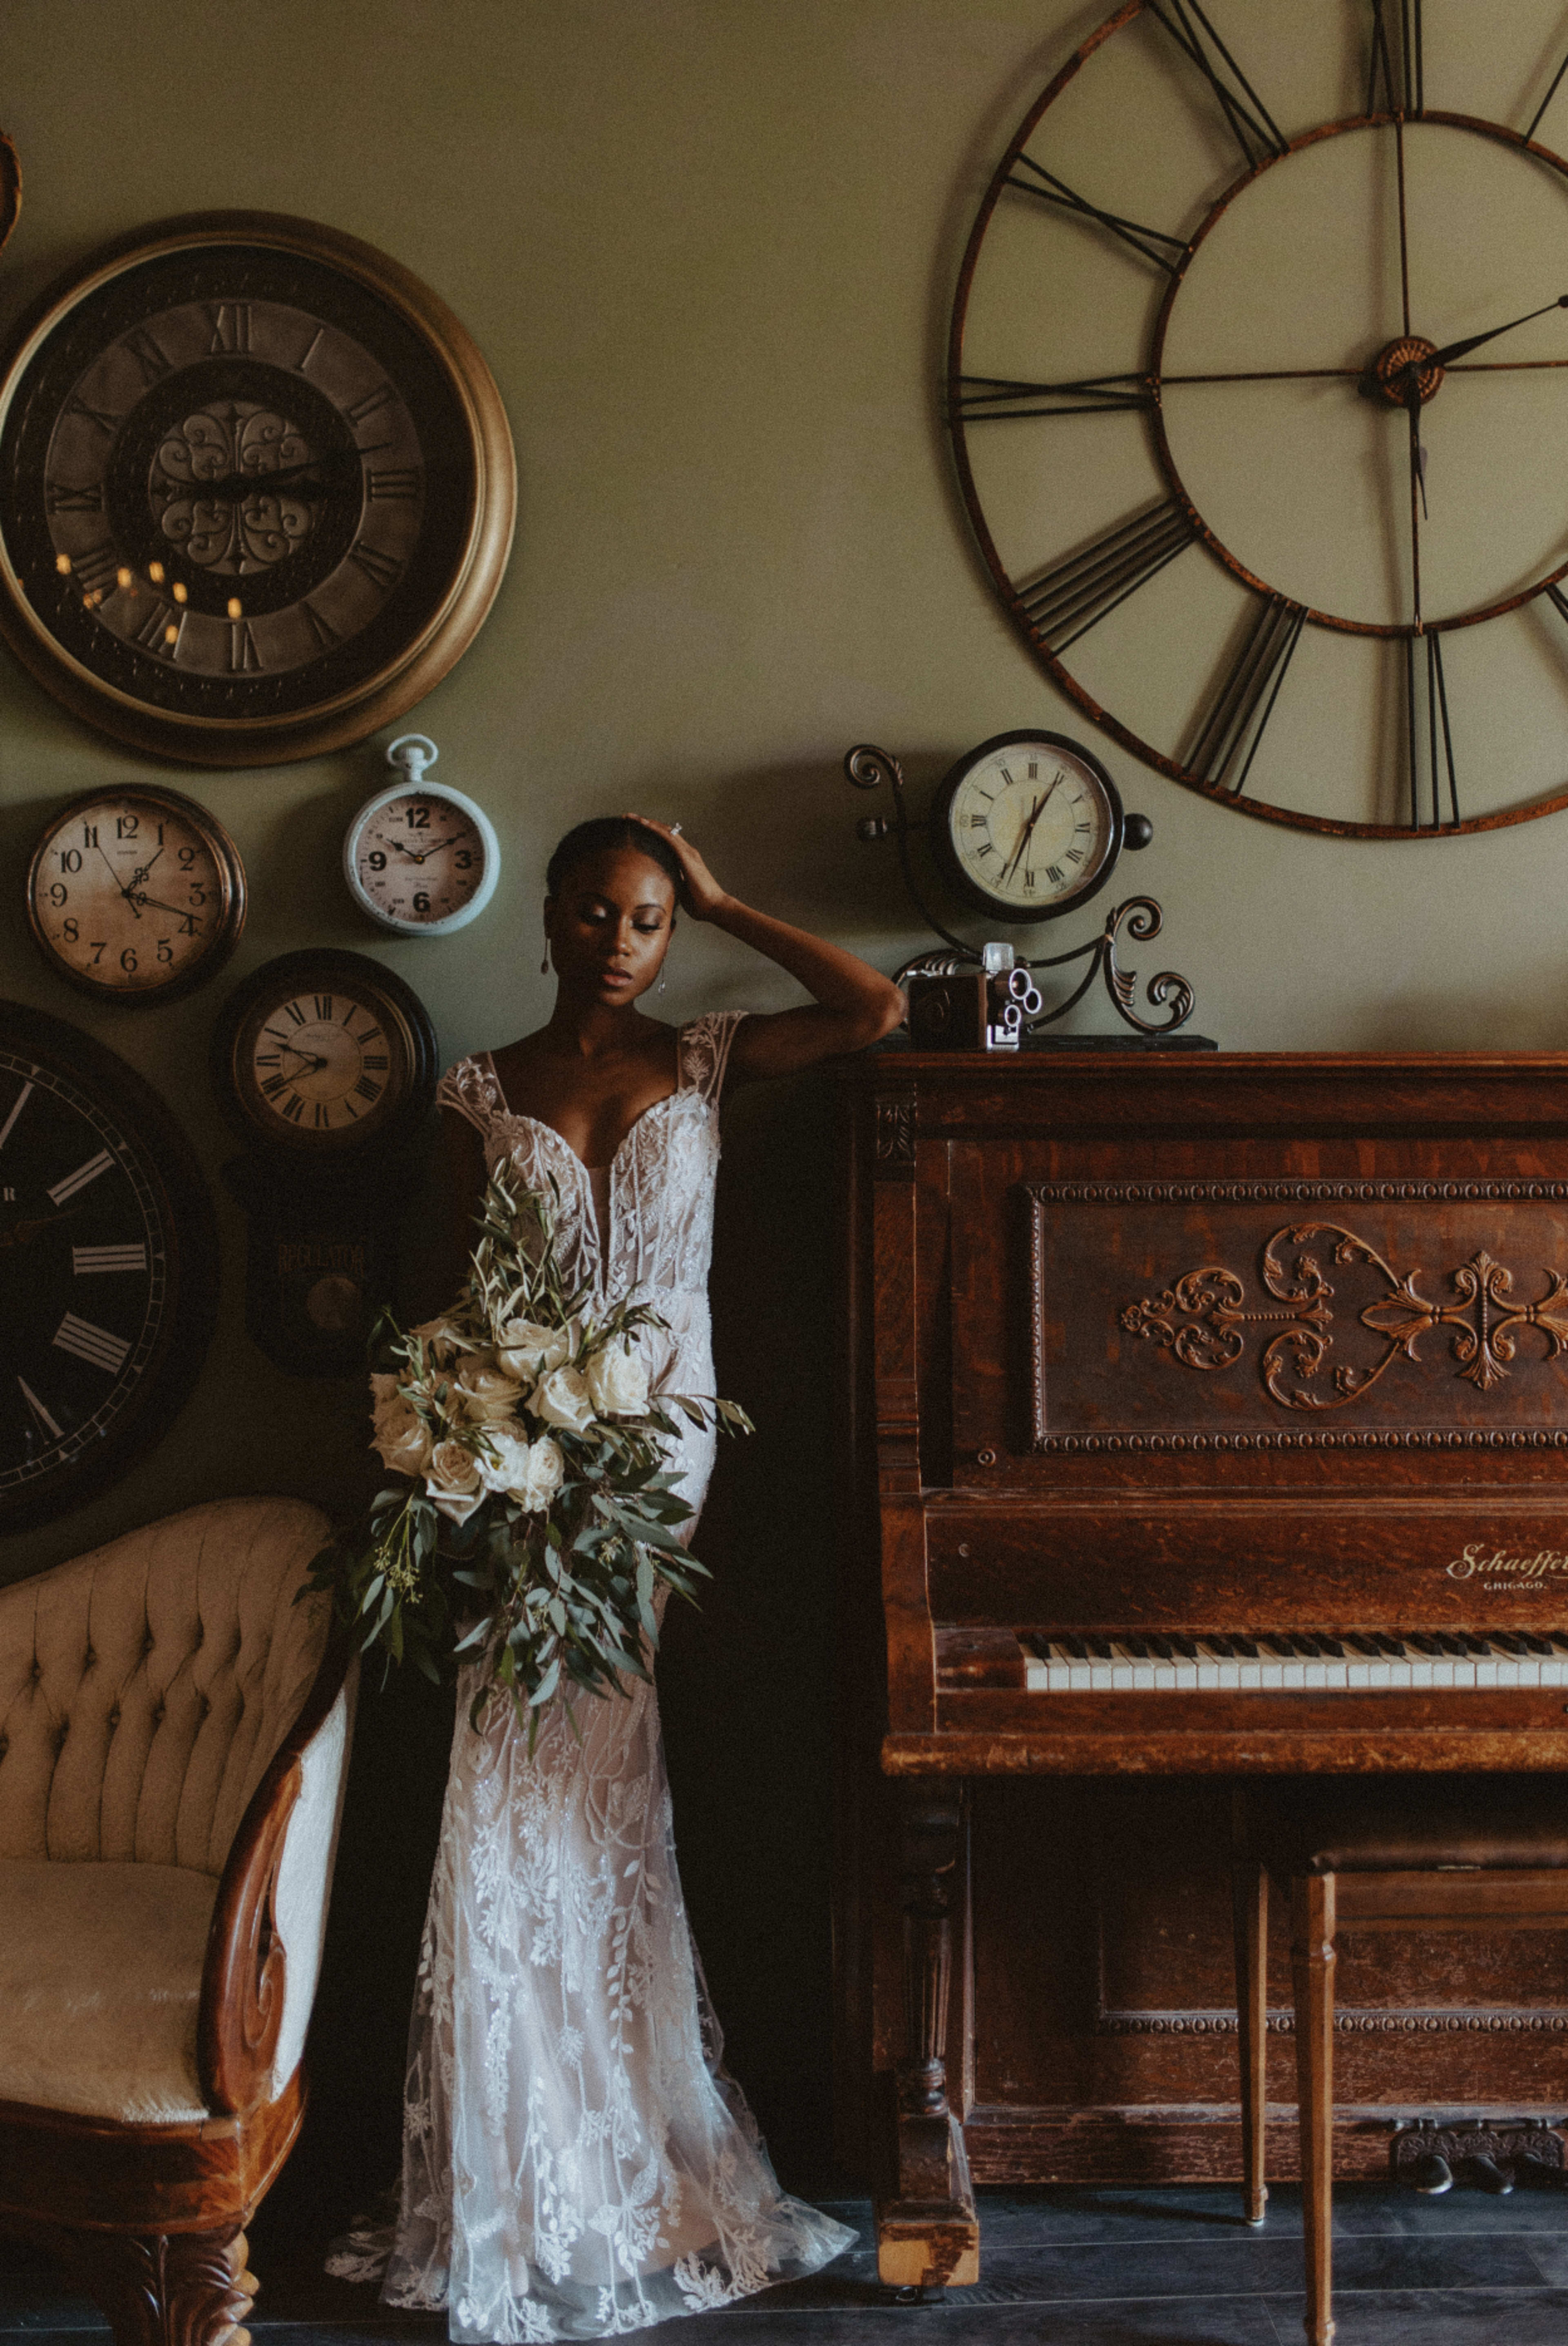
x,y
163,1897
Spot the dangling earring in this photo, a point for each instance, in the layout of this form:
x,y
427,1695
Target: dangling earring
x,y
659,987
544,965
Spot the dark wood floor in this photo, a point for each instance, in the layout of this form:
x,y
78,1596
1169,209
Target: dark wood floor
x,y
1092,2268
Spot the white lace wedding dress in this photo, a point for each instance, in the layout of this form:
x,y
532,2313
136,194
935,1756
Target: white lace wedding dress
x,y
577,2162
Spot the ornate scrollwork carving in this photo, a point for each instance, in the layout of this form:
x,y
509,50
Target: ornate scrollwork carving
x,y
895,1141
1201,1318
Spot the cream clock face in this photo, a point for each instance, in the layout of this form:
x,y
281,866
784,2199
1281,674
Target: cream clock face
x,y
1028,826
319,1063
136,895
421,862
1258,385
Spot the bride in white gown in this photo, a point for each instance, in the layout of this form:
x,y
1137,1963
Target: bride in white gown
x,y
577,2161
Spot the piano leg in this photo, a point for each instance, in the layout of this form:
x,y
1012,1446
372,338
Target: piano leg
x,y
928,2234
1249,1895
1312,1957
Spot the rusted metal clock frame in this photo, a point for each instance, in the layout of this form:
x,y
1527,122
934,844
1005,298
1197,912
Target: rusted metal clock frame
x,y
1054,610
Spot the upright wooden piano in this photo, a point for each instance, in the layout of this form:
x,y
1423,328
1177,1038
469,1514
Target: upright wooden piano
x,y
1209,1417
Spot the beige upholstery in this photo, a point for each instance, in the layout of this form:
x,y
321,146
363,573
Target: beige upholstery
x,y
144,1689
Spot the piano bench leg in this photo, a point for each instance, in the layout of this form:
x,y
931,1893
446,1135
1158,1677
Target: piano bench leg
x,y
1249,1891
1312,1950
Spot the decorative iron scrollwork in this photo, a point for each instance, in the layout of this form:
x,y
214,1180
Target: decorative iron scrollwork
x,y
1202,1317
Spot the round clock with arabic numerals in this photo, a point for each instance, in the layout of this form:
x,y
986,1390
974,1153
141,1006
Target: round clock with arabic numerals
x,y
1257,380
109,1267
255,489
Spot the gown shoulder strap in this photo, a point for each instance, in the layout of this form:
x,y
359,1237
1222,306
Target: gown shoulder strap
x,y
705,1047
470,1087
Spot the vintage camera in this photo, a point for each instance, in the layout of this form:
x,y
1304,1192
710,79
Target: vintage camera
x,y
973,1010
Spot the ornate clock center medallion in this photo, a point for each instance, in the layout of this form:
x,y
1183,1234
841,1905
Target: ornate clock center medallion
x,y
235,487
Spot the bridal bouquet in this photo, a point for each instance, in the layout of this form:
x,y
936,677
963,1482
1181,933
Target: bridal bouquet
x,y
529,1463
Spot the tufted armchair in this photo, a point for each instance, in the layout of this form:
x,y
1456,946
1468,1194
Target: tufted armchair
x,y
174,1736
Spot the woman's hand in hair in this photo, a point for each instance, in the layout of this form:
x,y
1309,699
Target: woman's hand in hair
x,y
701,895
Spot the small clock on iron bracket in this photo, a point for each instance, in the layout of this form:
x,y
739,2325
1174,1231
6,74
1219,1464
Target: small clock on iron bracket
x,y
1024,828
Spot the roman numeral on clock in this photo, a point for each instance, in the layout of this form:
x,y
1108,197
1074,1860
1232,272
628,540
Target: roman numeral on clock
x,y
98,1346
160,631
1243,700
382,569
1428,737
231,324
97,571
357,410
1146,242
1065,601
59,496
79,1180
97,1261
394,483
1251,125
148,354
103,417
1396,83
244,659
991,399
323,635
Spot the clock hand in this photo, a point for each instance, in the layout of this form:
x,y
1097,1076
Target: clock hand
x,y
141,897
1029,827
1452,350
21,1233
120,883
1404,233
1417,469
434,847
234,488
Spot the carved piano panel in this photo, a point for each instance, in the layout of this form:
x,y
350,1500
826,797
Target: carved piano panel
x,y
1150,1358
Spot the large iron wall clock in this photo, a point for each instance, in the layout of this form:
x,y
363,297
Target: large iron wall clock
x,y
255,489
109,1267
1259,384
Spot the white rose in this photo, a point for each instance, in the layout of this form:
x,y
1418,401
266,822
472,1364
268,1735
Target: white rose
x,y
525,1349
488,1394
618,1382
503,1461
451,1479
562,1398
399,1436
546,1471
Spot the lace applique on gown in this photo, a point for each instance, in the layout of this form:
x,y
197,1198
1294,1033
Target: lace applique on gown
x,y
577,2161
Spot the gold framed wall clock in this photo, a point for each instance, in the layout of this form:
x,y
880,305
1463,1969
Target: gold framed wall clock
x,y
108,1265
257,489
1257,380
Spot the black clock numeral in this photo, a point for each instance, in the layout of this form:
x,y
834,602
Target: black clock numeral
x,y
1064,602
358,409
291,1010
1550,94
1252,126
1427,721
231,324
244,658
160,631
59,496
323,1005
418,818
367,1090
323,1119
990,398
392,482
382,569
323,635
1243,700
293,1107
1402,79
107,422
97,571
148,353
377,1061
1055,874
1145,242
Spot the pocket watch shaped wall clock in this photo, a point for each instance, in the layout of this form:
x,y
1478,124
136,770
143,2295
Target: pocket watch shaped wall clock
x,y
255,489
1257,380
109,1267
420,858
136,895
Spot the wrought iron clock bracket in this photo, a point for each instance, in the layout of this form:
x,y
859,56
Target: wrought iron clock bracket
x,y
1138,918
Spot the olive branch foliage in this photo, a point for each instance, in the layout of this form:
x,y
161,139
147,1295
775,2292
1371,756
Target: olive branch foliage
x,y
551,1598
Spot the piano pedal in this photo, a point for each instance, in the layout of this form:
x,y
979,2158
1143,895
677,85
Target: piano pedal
x,y
1494,2158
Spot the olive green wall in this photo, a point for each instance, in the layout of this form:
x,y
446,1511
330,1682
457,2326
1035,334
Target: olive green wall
x,y
708,247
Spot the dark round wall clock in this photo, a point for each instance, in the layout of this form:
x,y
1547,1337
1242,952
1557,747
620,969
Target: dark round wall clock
x,y
109,1267
1257,380
255,489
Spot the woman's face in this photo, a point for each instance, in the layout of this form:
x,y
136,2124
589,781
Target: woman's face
x,y
609,928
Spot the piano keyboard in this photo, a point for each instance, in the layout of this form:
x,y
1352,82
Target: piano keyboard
x,y
1373,1663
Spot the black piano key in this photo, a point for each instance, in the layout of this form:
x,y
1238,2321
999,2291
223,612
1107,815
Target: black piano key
x,y
1162,1648
1367,1646
1510,1642
1076,1647
1035,1642
1224,1646
1538,1645
1139,1648
1392,1647
1334,1647
1560,1639
1280,1647
1100,1648
1424,1643
1247,1647
1448,1643
1187,1648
